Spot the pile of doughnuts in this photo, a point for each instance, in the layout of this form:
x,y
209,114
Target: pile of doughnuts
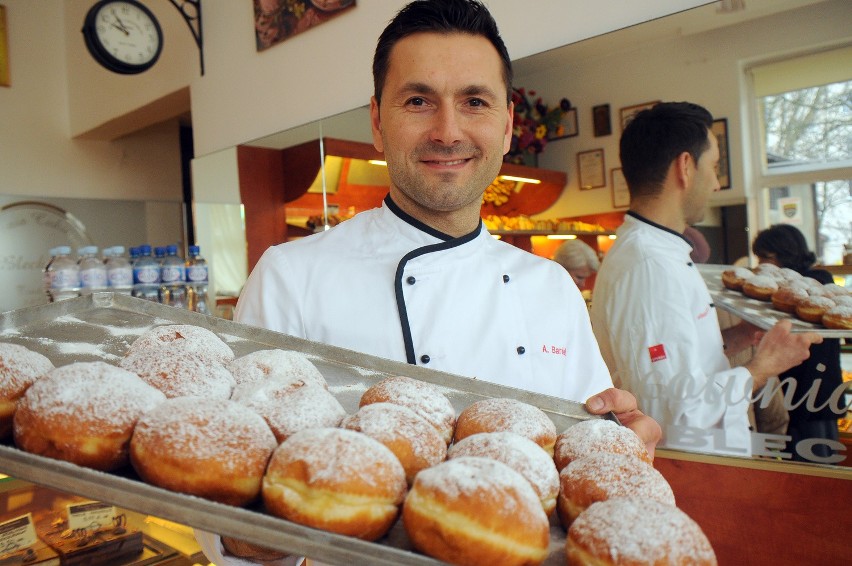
x,y
484,485
829,305
617,508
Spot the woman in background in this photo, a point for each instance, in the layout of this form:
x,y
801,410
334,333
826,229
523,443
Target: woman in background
x,y
578,259
785,246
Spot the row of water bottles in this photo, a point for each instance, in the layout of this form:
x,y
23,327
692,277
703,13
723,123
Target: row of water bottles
x,y
165,277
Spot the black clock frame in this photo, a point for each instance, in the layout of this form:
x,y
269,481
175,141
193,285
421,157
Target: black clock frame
x,y
104,57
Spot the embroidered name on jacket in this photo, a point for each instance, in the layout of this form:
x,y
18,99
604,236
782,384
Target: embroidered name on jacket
x,y
554,350
657,353
704,313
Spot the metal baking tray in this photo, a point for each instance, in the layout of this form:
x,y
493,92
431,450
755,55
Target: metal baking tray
x,y
760,313
100,327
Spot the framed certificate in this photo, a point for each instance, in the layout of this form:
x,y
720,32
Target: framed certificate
x,y
620,194
590,169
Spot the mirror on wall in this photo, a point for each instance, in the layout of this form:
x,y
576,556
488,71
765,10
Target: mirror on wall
x,y
30,226
698,55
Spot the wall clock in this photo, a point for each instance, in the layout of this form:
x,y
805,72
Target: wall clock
x,y
123,35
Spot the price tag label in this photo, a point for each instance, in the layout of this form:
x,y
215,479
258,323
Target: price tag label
x,y
91,515
16,534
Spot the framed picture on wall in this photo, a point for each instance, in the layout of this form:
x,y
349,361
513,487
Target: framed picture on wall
x,y
569,121
723,170
620,194
591,170
4,50
629,111
601,120
276,21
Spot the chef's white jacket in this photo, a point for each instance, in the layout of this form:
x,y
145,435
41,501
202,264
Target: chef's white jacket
x,y
659,334
385,284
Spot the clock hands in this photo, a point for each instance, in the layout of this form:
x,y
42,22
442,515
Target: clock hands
x,y
121,29
119,25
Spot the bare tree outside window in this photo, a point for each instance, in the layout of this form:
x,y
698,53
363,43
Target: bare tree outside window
x,y
813,126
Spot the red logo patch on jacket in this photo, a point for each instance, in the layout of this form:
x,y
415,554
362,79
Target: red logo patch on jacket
x,y
657,353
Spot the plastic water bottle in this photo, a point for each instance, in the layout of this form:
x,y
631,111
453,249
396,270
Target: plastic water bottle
x,y
119,271
173,279
47,273
134,255
93,273
146,276
197,280
64,275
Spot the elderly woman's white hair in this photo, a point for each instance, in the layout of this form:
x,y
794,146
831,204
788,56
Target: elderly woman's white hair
x,y
576,254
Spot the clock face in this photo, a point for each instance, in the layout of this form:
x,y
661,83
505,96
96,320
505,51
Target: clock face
x,y
123,35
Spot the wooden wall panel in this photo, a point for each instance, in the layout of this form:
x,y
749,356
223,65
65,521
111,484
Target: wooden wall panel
x,y
758,517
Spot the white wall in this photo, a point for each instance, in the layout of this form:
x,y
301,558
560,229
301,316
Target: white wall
x,y
245,95
706,68
38,155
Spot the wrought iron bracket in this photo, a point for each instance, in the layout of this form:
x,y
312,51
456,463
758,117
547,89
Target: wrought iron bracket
x,y
190,10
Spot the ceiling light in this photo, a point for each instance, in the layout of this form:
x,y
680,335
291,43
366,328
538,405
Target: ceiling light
x,y
520,179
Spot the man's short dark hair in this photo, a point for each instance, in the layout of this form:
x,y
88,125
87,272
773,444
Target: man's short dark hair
x,y
439,16
655,137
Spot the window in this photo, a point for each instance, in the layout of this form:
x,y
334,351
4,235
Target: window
x,y
804,108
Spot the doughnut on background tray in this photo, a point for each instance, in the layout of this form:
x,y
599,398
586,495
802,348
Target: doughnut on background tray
x,y
101,326
760,313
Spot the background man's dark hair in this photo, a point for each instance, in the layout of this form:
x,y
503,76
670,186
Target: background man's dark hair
x,y
655,137
439,16
785,244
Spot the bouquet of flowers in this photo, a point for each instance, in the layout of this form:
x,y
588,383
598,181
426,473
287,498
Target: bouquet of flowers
x,y
534,124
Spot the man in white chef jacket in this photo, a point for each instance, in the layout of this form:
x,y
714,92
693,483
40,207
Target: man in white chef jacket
x,y
652,313
419,279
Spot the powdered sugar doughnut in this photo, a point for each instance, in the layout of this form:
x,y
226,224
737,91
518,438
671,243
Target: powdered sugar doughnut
x,y
279,364
603,476
423,398
180,374
838,317
760,287
336,480
184,338
507,415
413,441
812,308
212,448
290,407
790,274
19,368
84,413
475,511
637,531
597,435
519,453
735,277
835,290
786,298
769,270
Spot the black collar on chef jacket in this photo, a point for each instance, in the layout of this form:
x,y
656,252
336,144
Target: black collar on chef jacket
x,y
447,243
641,218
